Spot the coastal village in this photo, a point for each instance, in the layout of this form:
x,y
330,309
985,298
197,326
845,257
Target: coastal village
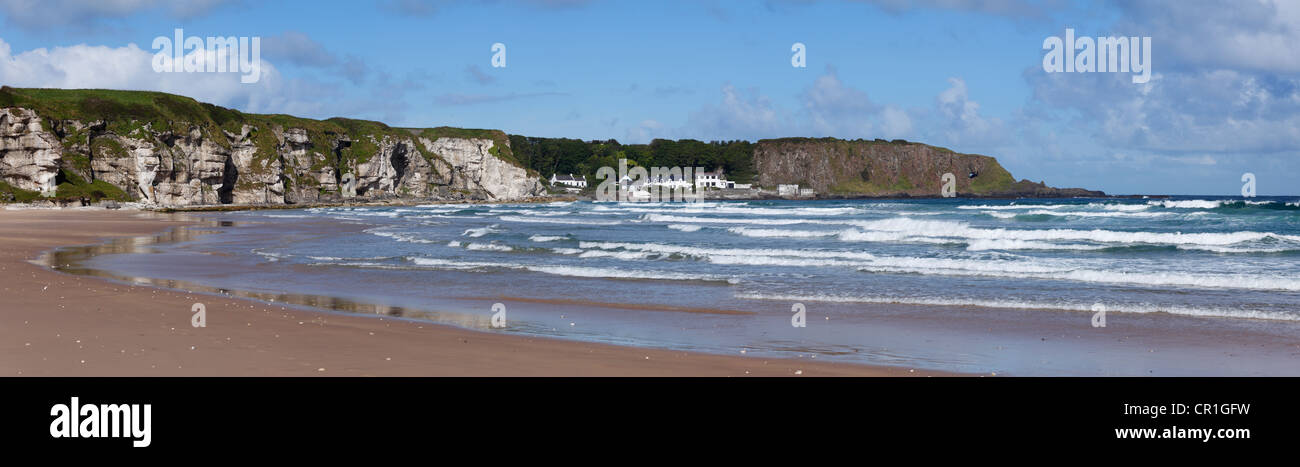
x,y
714,182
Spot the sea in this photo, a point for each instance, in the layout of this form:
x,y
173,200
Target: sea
x,y
1028,287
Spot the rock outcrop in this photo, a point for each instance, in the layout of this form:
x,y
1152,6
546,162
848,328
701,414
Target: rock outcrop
x,y
834,167
220,156
29,155
472,166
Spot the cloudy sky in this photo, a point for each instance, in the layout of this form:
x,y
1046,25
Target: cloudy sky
x,y
1223,99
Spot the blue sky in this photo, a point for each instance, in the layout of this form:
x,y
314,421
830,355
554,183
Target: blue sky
x,y
1224,97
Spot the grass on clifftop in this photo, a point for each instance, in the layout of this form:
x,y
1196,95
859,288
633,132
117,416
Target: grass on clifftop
x,y
124,112
992,179
500,141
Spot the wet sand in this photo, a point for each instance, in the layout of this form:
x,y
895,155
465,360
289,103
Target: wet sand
x,y
56,324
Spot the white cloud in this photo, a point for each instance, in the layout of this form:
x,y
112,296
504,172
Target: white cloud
x,y
895,123
959,121
1192,111
834,109
644,132
739,116
831,107
130,68
1260,35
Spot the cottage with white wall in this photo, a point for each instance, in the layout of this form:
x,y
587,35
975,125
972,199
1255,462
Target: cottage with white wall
x,y
568,181
712,179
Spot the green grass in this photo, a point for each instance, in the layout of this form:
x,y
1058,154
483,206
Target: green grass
x,y
77,161
13,194
125,113
94,191
75,188
108,146
994,179
865,187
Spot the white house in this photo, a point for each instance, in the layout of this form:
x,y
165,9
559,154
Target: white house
x,y
787,190
568,180
712,179
668,182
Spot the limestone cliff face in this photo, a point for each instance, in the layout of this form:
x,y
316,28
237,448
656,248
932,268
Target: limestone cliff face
x,y
835,167
472,166
264,162
29,155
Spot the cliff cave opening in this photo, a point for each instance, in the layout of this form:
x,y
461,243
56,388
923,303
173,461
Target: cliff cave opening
x,y
399,161
339,166
226,194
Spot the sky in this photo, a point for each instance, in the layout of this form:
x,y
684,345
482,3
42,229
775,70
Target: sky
x,y
1223,98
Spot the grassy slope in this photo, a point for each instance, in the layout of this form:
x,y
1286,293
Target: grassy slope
x,y
993,179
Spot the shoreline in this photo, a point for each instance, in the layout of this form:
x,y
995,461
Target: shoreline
x,y
58,324
557,198
949,340
708,196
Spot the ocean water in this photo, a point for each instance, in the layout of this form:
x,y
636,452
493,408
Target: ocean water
x,y
723,276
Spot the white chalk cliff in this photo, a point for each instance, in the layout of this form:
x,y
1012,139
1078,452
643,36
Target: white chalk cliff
x,y
262,163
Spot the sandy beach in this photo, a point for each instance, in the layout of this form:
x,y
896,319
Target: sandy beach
x,y
55,324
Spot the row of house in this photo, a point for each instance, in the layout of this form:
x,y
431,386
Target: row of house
x,y
712,179
568,181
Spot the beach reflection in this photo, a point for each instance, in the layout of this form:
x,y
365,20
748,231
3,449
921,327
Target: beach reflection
x,y
74,260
